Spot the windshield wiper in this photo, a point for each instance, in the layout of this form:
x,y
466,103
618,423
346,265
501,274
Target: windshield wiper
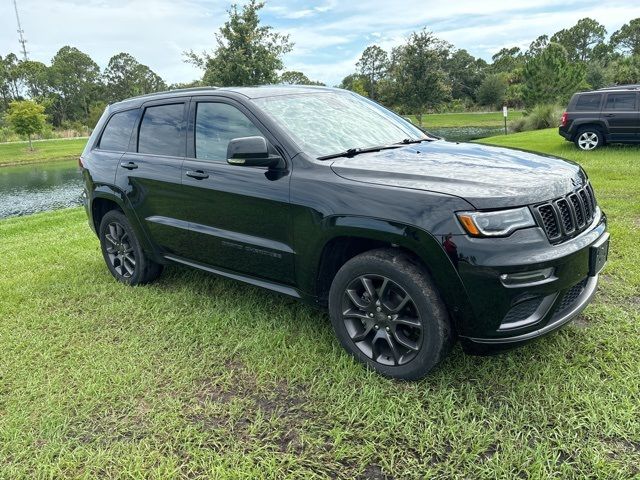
x,y
352,152
408,141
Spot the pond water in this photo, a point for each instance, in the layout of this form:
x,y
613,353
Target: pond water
x,y
35,188
29,189
466,134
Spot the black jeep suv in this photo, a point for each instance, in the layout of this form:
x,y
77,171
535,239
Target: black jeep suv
x,y
322,195
608,115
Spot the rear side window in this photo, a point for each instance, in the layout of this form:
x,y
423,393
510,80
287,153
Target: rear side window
x,y
161,130
117,133
216,125
589,102
621,101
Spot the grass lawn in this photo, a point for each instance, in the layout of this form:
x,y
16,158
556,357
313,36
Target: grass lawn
x,y
18,153
472,119
196,376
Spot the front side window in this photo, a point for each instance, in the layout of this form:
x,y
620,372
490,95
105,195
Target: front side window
x,y
117,133
216,125
621,101
162,132
590,102
327,123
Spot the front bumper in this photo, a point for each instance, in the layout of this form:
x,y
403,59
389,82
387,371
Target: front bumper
x,y
512,314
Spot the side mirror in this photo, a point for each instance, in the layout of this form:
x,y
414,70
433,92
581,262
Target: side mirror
x,y
251,152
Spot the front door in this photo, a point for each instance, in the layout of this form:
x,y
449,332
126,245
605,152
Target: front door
x,y
620,112
239,216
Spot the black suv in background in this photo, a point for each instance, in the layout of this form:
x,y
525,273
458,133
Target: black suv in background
x,y
322,195
608,115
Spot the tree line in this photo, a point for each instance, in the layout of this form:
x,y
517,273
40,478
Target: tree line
x,y
424,74
428,74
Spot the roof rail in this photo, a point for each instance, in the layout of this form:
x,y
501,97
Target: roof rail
x,y
188,89
634,86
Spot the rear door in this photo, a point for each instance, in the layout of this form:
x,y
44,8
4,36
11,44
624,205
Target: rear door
x,y
620,113
150,173
240,218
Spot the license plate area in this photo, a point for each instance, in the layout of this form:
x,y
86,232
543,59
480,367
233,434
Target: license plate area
x,y
598,254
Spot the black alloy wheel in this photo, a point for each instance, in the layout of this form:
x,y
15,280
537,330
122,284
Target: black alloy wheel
x,y
388,314
122,252
119,250
382,320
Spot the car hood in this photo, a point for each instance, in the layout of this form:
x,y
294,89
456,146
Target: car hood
x,y
486,177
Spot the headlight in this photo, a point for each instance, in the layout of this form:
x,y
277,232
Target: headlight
x,y
496,224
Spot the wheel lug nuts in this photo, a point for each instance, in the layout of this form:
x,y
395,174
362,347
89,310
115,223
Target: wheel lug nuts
x,y
371,314
378,309
388,317
388,329
376,327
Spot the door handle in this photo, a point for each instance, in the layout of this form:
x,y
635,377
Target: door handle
x,y
198,174
129,165
610,115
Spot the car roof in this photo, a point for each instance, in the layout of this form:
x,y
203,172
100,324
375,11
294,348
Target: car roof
x,y
615,88
248,92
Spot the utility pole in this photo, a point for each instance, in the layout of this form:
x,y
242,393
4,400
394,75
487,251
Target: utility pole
x,y
22,40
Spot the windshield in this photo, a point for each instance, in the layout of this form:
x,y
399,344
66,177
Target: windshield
x,y
327,123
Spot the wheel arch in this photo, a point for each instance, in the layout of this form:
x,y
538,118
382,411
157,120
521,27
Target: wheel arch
x,y
597,124
346,237
106,198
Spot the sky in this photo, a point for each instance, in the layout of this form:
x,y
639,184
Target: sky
x,y
329,35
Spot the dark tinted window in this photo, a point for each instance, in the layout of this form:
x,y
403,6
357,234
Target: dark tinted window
x,y
621,101
216,125
589,102
117,133
161,131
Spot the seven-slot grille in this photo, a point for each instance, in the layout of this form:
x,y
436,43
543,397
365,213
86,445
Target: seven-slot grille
x,y
567,216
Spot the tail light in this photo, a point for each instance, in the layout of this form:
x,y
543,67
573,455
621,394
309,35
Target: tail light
x,y
563,120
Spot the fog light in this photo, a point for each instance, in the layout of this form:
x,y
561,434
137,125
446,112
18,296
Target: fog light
x,y
528,279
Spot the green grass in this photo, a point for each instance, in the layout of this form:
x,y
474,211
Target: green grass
x,y
468,119
18,153
200,377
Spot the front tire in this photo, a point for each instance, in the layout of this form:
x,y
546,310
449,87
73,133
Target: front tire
x,y
589,138
122,252
387,313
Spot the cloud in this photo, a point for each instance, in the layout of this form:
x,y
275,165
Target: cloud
x,y
329,36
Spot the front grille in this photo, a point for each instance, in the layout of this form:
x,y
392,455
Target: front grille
x,y
565,217
570,297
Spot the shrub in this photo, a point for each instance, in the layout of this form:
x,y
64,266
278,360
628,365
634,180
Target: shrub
x,y
538,118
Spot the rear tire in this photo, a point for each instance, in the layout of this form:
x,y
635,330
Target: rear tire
x,y
387,313
589,138
122,252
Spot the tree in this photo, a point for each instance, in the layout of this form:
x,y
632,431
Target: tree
x,y
507,60
125,77
492,91
26,118
373,65
551,77
465,74
9,79
537,46
294,77
628,37
35,76
627,70
247,53
581,39
356,83
75,84
419,78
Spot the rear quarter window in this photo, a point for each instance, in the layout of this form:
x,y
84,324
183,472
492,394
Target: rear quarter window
x,y
589,102
117,133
